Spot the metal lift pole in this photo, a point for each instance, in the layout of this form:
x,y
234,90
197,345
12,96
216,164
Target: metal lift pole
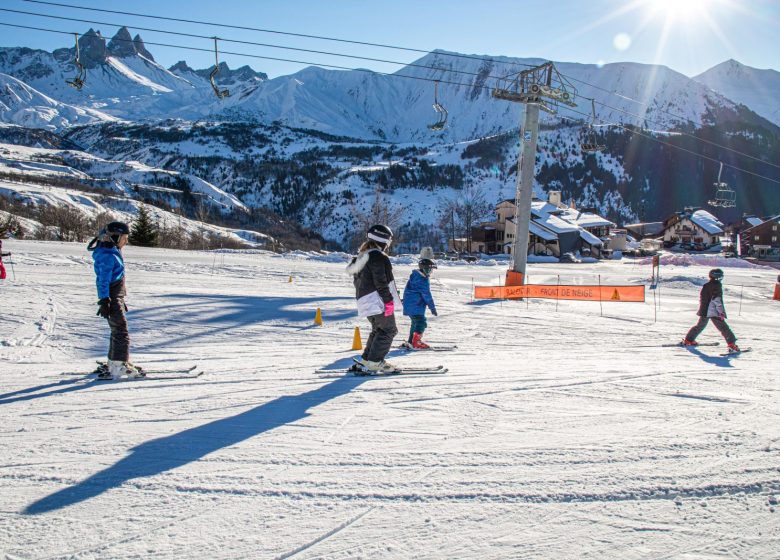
x,y
525,187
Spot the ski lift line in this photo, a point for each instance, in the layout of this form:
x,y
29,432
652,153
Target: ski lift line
x,y
640,132
256,44
199,49
560,76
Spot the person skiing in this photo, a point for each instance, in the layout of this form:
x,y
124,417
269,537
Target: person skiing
x,y
417,297
711,308
377,297
2,266
109,266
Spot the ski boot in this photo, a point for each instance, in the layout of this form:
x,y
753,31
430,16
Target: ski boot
x,y
733,348
381,367
417,342
117,369
687,342
407,345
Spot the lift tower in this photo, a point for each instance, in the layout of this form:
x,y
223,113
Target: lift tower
x,y
534,88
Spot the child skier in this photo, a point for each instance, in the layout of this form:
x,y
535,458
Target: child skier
x,y
711,308
417,297
110,280
376,296
2,266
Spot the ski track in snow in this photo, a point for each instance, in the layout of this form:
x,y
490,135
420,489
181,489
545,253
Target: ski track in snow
x,y
556,433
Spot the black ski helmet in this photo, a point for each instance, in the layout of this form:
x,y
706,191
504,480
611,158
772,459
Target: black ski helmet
x,y
381,234
426,266
117,228
716,274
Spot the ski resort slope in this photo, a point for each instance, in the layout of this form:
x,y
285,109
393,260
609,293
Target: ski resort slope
x,y
556,433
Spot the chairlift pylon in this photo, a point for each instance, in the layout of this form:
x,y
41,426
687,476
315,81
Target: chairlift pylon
x,y
590,145
221,93
725,196
439,108
79,80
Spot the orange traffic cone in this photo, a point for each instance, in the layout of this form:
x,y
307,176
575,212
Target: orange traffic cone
x,y
357,343
318,317
777,289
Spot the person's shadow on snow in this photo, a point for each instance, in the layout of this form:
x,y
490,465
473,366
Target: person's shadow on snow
x,y
58,388
163,454
720,361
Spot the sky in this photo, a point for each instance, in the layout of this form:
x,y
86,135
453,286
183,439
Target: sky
x,y
688,36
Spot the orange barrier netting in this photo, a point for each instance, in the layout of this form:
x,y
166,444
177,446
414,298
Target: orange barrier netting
x,y
586,293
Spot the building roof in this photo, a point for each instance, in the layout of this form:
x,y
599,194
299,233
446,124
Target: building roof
x,y
539,231
753,221
707,222
590,238
585,219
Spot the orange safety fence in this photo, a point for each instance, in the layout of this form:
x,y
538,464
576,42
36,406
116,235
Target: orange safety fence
x,y
586,293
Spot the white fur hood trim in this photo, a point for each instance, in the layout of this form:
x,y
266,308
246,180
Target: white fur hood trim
x,y
360,263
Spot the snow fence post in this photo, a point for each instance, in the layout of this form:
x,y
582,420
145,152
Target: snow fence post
x,y
601,305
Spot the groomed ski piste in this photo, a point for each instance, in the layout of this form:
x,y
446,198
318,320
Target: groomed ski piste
x,y
559,431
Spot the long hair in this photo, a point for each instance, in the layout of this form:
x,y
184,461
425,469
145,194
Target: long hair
x,y
371,244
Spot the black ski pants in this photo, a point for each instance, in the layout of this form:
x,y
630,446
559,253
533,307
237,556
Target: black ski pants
x,y
119,346
383,329
720,324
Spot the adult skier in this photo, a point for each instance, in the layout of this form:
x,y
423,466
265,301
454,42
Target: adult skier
x,y
417,297
377,296
110,279
711,309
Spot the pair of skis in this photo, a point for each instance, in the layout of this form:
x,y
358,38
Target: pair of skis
x,y
358,370
429,349
724,354
151,374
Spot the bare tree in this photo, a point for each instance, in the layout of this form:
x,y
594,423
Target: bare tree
x,y
381,211
474,208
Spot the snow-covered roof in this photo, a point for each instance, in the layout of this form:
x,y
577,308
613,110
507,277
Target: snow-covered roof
x,y
753,221
590,238
707,222
539,231
585,219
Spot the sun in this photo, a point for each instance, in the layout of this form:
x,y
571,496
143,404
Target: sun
x,y
679,10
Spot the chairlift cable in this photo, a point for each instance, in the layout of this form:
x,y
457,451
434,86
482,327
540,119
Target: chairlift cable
x,y
369,59
618,125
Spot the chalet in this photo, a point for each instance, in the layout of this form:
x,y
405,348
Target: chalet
x,y
644,230
692,228
763,241
554,229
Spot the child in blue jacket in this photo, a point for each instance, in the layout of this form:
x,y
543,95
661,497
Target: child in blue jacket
x,y
417,296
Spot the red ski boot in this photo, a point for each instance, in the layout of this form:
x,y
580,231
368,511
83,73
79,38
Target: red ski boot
x,y
687,342
417,342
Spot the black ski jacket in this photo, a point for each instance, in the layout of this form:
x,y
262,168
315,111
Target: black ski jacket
x,y
711,300
374,282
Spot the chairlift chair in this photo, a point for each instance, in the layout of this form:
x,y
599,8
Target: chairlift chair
x,y
79,80
221,93
590,145
725,196
439,108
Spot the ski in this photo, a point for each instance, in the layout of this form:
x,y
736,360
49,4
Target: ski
x,y
173,371
400,371
430,349
733,353
153,377
681,345
351,369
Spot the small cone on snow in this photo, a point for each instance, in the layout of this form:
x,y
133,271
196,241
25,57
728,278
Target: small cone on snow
x,y
318,317
357,343
777,289
290,280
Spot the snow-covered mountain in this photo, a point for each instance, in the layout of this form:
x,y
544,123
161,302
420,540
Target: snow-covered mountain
x,y
24,105
755,88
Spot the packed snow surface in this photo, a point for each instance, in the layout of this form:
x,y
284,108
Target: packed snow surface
x,y
560,430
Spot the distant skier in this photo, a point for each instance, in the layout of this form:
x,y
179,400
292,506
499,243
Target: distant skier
x,y
110,280
2,266
418,297
377,296
711,308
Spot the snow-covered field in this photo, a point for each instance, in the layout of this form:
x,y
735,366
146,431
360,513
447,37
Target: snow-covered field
x,y
556,433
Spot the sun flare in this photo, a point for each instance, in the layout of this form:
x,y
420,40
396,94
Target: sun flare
x,y
679,10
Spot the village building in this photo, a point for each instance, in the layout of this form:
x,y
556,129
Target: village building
x,y
763,240
554,229
692,229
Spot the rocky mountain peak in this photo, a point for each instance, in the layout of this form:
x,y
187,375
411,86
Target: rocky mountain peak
x,y
140,48
180,67
92,49
121,44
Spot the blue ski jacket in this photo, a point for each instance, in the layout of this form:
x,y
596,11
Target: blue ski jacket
x,y
417,295
109,267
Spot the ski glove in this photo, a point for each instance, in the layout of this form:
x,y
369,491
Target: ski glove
x,y
104,308
389,308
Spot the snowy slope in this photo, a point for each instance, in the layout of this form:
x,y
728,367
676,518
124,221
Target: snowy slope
x,y
23,105
758,89
574,436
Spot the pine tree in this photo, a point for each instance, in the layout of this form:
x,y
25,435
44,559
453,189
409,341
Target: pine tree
x,y
144,231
